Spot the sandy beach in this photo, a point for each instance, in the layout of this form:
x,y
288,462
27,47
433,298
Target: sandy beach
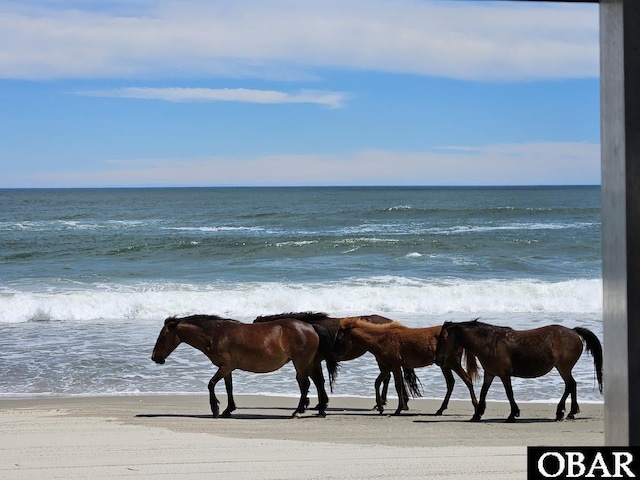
x,y
174,436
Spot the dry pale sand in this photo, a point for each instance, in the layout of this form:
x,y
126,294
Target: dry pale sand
x,y
175,437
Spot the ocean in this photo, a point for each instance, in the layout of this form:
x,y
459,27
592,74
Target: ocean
x,y
88,276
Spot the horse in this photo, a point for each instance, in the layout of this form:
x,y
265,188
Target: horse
x,y
505,353
258,348
396,346
332,324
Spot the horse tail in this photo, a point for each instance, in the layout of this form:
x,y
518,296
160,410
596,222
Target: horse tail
x,y
472,364
325,349
412,382
595,348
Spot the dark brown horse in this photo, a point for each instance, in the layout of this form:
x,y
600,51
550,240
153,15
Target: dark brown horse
x,y
396,346
351,352
505,353
258,348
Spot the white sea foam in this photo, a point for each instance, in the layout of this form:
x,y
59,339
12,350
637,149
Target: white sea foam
x,y
221,228
77,302
519,226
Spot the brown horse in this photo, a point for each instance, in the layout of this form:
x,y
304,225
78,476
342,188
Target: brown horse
x,y
258,348
505,353
396,346
332,324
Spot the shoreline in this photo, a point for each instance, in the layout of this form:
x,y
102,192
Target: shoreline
x,y
392,396
144,436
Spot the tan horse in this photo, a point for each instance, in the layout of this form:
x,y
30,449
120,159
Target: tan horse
x,y
505,353
259,348
396,346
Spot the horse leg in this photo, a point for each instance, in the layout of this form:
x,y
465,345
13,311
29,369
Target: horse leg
x,y
318,380
448,376
384,373
570,387
515,411
303,382
399,382
405,392
231,404
385,389
213,401
575,408
462,373
482,404
562,403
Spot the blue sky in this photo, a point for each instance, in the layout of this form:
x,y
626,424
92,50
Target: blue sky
x,y
292,92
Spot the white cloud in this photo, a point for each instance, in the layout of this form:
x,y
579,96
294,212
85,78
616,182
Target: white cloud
x,y
507,164
319,97
466,40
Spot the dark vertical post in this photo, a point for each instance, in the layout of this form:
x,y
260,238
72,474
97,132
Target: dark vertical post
x,y
620,128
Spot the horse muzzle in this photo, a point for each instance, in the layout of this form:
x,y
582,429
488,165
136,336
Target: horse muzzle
x,y
157,359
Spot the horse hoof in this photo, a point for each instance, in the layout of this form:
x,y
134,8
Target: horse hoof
x,y
295,415
475,418
321,414
439,412
511,420
571,416
226,414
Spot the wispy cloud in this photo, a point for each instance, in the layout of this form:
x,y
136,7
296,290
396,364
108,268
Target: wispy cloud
x,y
175,94
505,164
287,38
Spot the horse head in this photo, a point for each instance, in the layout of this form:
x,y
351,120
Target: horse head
x,y
453,341
343,340
447,343
167,341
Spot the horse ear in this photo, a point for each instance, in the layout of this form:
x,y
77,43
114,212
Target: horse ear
x,y
446,326
171,323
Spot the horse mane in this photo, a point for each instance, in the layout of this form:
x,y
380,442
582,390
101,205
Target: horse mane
x,y
198,319
477,325
308,317
350,322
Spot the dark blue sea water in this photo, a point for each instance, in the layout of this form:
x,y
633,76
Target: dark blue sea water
x,y
87,276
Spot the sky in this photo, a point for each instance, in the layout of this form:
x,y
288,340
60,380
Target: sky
x,y
146,93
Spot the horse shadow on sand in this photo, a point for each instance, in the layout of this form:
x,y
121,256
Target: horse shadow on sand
x,y
492,421
249,414
253,413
